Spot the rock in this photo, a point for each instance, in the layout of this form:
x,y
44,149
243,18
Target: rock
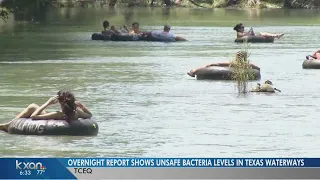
x,y
308,4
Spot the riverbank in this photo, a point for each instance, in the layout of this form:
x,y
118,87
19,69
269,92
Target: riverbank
x,y
269,4
239,4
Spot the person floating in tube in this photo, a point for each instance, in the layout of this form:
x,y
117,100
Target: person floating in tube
x,y
166,34
241,56
316,55
70,110
106,30
135,29
239,28
266,87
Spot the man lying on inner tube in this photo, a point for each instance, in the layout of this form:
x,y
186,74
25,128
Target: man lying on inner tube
x,y
239,28
70,110
165,34
266,87
240,56
316,55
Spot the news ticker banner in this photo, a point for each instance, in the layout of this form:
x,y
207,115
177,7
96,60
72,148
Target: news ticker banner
x,y
160,168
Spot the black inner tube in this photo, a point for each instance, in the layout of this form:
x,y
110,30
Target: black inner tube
x,y
27,126
130,37
311,64
255,39
224,73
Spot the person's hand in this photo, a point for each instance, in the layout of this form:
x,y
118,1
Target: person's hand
x,y
52,100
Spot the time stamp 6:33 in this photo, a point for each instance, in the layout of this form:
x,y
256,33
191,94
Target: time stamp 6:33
x,y
28,172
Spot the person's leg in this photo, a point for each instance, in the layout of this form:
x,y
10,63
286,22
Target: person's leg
x,y
317,55
265,34
26,113
194,71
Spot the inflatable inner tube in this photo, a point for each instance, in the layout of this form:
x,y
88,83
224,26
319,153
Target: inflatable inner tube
x,y
223,73
255,39
27,126
264,88
130,37
126,37
160,39
311,64
99,36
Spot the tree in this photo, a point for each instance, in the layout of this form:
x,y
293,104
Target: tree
x,y
22,6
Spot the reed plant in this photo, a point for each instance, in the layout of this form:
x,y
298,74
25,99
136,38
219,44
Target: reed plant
x,y
241,70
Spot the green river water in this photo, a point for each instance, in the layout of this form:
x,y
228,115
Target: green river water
x,y
140,95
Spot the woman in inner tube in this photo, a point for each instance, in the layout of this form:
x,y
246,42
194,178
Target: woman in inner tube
x,y
70,110
240,56
316,56
239,28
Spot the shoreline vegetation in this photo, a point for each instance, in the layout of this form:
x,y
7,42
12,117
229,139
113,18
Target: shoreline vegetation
x,y
14,6
8,7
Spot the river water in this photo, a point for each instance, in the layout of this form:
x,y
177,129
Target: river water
x,y
145,103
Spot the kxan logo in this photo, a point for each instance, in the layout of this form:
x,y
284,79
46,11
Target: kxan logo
x,y
29,166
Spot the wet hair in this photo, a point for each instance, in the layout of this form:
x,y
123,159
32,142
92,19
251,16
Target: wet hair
x,y
242,56
135,23
167,27
68,105
105,24
238,27
268,82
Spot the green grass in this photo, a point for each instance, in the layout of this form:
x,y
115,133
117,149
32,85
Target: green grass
x,y
241,73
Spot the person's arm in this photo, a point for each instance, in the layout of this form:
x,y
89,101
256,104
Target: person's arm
x,y
255,67
179,38
126,28
147,33
36,115
82,111
251,32
241,35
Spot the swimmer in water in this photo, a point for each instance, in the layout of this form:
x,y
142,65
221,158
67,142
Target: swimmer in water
x,y
167,34
70,110
107,31
266,87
